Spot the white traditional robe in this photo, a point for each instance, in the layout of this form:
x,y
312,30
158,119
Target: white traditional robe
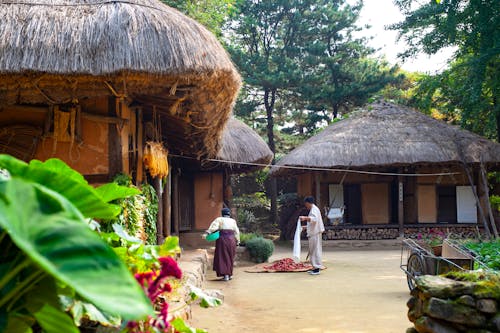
x,y
315,229
225,223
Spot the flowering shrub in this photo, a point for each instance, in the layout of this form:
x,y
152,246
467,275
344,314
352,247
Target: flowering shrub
x,y
434,237
155,284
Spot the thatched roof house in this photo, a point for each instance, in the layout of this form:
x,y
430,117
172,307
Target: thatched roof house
x,y
404,170
241,144
386,134
62,51
210,184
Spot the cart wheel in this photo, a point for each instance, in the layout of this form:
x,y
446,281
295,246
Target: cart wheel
x,y
415,268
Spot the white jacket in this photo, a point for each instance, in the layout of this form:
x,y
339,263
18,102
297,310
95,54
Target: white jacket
x,y
315,226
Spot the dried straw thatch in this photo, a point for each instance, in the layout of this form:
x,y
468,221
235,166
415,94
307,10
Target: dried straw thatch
x,y
56,51
242,144
386,134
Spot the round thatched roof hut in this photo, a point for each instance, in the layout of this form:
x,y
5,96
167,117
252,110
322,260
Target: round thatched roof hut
x,y
241,144
60,51
385,134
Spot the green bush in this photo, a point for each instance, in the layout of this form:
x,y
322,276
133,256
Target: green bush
x,y
260,249
245,237
488,252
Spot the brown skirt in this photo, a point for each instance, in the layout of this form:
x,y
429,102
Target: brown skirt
x,y
225,250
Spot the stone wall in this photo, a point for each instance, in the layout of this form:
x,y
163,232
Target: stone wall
x,y
444,305
392,232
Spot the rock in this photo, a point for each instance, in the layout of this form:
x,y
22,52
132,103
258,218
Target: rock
x,y
496,322
487,305
441,287
467,300
454,312
214,293
428,325
416,309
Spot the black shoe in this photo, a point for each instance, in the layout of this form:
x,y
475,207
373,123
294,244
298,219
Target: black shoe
x,y
314,271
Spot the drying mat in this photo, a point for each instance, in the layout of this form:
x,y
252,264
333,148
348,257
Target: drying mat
x,y
261,268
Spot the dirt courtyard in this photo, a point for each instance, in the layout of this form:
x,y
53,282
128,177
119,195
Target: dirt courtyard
x,y
360,291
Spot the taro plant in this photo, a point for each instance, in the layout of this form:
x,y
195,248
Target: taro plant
x,y
48,249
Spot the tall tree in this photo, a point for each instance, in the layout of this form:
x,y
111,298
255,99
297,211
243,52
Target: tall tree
x,y
211,13
262,43
472,84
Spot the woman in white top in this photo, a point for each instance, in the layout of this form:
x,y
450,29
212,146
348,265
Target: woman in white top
x,y
225,246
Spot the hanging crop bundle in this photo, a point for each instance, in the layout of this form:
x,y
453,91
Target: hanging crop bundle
x,y
155,159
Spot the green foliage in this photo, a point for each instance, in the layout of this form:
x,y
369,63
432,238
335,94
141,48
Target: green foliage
x,y
138,211
245,237
181,327
468,91
138,256
213,14
47,243
254,200
495,202
489,252
260,249
246,219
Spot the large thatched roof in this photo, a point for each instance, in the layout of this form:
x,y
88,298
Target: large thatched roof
x,y
56,51
242,144
386,134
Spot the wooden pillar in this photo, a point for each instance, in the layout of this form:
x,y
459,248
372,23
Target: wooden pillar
x,y
159,218
175,206
401,213
124,113
167,206
114,142
317,179
478,202
140,147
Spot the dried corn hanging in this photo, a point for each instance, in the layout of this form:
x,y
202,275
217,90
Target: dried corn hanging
x,y
155,159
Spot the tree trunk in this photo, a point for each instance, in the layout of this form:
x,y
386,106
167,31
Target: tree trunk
x,y
496,107
335,108
269,99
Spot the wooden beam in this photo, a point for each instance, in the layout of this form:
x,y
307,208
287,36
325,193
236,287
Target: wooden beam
x,y
167,206
401,215
159,217
114,144
175,207
317,180
140,147
124,112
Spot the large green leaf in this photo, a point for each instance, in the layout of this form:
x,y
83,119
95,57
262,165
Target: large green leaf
x,y
59,177
54,320
53,233
113,191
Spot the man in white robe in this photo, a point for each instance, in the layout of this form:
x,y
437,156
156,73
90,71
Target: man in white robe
x,y
315,229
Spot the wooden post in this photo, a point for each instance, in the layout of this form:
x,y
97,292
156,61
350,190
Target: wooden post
x,y
114,142
317,179
486,192
159,218
167,206
401,214
124,113
478,202
140,147
175,207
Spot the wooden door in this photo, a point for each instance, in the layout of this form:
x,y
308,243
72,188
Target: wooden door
x,y
352,199
447,204
186,202
466,205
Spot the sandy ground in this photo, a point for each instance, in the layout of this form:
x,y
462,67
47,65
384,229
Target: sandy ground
x,y
360,291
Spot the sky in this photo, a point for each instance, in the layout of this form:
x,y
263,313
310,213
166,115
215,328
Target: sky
x,y
380,13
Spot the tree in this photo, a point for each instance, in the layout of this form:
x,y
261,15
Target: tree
x,y
262,43
211,13
471,85
340,74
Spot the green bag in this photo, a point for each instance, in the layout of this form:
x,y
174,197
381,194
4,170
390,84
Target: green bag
x,y
213,236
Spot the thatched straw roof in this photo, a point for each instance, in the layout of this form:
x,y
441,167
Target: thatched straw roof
x,y
386,134
56,51
242,144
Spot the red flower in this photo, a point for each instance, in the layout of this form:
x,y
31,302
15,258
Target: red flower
x,y
169,267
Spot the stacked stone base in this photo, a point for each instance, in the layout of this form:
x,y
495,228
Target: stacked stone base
x,y
441,305
351,232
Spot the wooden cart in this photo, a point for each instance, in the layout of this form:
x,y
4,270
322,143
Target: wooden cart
x,y
418,259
